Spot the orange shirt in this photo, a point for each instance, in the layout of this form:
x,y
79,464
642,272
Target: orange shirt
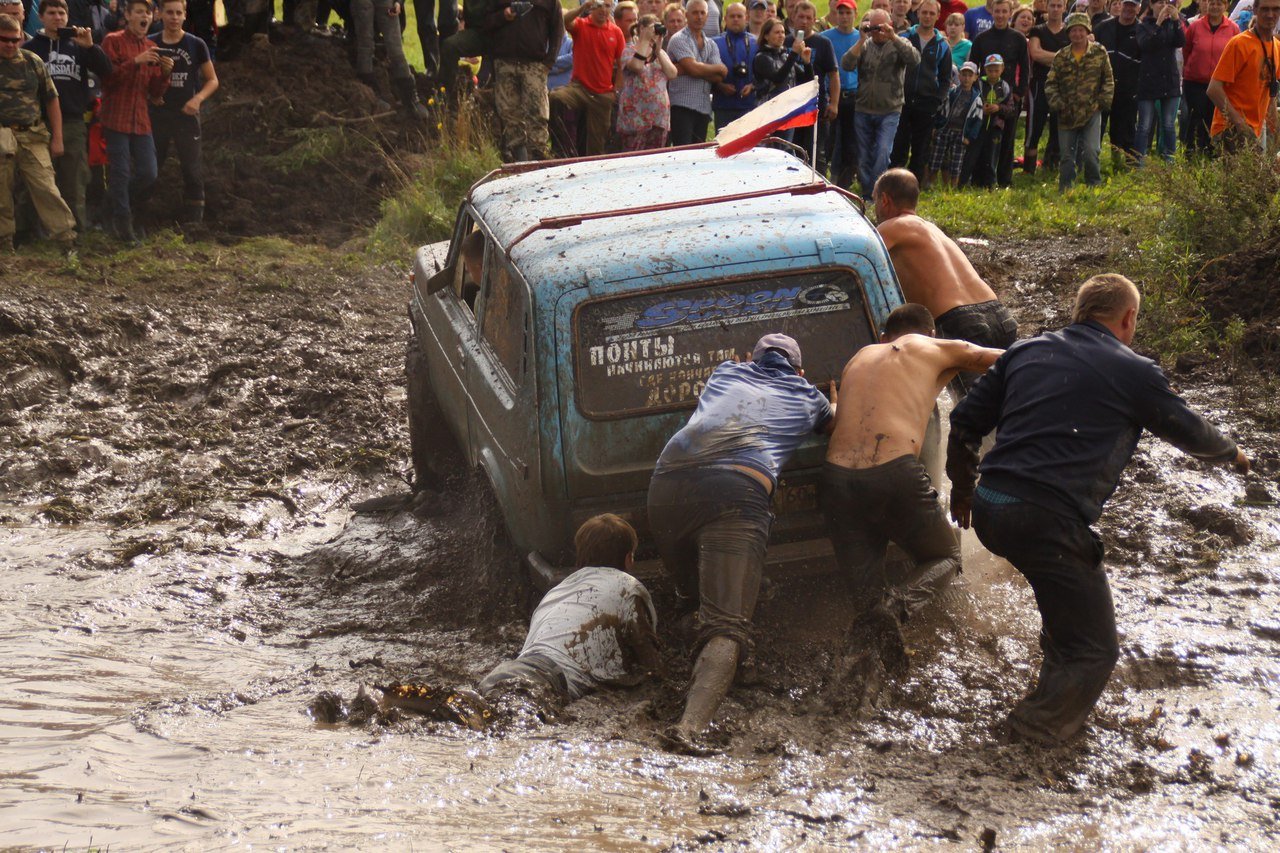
x,y
1245,74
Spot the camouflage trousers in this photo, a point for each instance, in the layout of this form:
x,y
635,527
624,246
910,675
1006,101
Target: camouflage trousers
x,y
520,97
25,154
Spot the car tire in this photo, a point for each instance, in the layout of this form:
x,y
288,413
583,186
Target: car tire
x,y
432,447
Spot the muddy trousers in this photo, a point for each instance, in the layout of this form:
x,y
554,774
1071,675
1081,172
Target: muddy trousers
x,y
711,526
524,107
868,508
131,170
1061,558
595,108
987,324
25,154
176,128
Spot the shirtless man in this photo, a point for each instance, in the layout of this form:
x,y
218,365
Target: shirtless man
x,y
874,489
935,273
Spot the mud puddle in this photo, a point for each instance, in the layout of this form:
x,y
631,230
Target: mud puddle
x,y
183,575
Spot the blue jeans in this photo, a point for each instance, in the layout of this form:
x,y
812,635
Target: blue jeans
x,y
132,169
1080,146
1168,141
875,144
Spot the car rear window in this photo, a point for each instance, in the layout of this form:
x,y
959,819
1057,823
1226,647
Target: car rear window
x,y
650,352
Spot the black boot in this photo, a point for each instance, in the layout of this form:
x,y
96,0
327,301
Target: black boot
x,y
371,80
407,93
122,229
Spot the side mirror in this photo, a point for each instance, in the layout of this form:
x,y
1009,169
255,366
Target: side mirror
x,y
441,280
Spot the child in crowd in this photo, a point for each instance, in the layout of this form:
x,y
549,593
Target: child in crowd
x,y
959,123
998,112
960,45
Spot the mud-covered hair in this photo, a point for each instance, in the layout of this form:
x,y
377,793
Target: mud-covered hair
x,y
605,540
901,186
912,318
1105,297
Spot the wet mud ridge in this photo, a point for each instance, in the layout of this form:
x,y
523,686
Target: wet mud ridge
x,y
185,576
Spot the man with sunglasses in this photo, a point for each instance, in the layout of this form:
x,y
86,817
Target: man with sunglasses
x,y
1245,83
30,136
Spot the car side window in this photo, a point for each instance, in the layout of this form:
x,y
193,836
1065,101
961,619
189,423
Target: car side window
x,y
470,265
504,316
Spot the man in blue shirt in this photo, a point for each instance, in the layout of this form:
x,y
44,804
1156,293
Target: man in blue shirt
x,y
1070,406
978,20
735,95
842,140
709,505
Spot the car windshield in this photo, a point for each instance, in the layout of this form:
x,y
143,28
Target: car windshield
x,y
648,352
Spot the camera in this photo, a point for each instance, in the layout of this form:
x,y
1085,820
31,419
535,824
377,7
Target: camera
x,y
66,32
740,70
521,7
659,29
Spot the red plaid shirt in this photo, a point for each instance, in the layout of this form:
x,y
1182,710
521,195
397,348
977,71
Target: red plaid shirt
x,y
126,91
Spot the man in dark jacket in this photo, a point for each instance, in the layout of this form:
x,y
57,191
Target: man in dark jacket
x,y
1004,40
1070,406
1119,36
924,88
524,40
69,61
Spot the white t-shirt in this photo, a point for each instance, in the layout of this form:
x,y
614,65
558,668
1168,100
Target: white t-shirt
x,y
580,624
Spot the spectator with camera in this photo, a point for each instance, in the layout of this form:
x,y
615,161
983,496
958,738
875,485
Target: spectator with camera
x,y
175,116
597,55
775,64
139,72
825,66
644,110
524,40
1247,81
698,60
925,88
735,96
882,59
70,55
1160,37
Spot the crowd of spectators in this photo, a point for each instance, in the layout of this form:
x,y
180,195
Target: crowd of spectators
x,y
930,85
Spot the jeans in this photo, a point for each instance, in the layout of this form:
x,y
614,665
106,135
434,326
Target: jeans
x,y
688,127
987,324
711,526
1167,108
875,143
371,19
1061,558
132,170
868,508
1080,145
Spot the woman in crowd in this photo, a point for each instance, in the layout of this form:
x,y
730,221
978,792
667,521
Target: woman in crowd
x,y
1206,38
644,111
1159,36
1044,43
775,65
1023,20
960,45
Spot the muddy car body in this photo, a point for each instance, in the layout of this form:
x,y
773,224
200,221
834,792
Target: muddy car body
x,y
610,289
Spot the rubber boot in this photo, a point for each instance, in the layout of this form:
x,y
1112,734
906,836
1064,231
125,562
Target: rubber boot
x,y
1029,157
407,93
371,80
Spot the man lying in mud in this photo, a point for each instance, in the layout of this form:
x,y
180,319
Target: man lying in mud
x,y
595,628
874,490
1070,406
709,506
935,273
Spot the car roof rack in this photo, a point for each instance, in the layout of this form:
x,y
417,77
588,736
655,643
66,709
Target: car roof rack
x,y
808,188
535,165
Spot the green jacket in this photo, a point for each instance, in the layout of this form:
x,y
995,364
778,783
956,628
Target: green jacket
x,y
1077,90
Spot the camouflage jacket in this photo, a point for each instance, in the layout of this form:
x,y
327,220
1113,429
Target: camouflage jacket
x,y
1077,90
25,89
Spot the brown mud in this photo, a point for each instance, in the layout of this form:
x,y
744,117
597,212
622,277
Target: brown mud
x,y
181,442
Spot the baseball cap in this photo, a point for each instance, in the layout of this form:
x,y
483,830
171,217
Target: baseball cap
x,y
783,343
1134,2
970,66
849,3
1078,19
757,4
993,59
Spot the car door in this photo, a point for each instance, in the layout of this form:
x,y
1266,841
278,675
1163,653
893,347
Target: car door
x,y
501,384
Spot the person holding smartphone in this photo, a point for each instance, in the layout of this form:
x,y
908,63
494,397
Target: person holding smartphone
x,y
70,54
175,115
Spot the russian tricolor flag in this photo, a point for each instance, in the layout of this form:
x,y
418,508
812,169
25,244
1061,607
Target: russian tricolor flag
x,y
796,107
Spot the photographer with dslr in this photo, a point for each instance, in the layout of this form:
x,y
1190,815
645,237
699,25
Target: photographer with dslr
x,y
881,58
644,110
524,40
70,54
735,96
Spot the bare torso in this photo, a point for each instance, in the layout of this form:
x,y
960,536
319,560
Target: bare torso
x,y
932,269
887,392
